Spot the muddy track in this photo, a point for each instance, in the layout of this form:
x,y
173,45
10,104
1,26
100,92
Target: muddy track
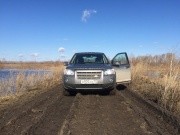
x,y
51,113
42,115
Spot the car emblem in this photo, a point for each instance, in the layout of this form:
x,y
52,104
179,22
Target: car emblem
x,y
96,76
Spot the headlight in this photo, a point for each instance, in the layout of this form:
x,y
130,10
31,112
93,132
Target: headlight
x,y
109,72
68,72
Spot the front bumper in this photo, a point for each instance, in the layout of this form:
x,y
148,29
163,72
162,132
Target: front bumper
x,y
72,84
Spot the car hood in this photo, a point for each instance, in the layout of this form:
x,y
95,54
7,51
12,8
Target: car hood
x,y
89,66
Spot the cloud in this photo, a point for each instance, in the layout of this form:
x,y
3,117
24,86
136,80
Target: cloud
x,y
61,49
62,55
86,14
140,46
35,54
20,55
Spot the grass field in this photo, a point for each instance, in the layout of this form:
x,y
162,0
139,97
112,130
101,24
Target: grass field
x,y
49,65
158,81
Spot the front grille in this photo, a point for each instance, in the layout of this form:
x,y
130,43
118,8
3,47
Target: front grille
x,y
89,74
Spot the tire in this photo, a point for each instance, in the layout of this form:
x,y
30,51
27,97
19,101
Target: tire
x,y
112,92
66,93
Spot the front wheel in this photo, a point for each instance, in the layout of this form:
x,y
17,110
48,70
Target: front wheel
x,y
68,93
112,92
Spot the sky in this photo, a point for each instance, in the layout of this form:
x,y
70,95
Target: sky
x,y
50,30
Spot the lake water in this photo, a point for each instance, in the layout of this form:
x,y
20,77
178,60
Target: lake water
x,y
6,73
10,74
158,75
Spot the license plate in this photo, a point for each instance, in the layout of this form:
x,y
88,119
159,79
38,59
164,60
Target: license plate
x,y
89,81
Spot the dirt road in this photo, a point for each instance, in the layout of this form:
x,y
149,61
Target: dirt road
x,y
51,113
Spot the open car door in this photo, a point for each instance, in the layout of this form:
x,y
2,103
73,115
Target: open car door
x,y
122,67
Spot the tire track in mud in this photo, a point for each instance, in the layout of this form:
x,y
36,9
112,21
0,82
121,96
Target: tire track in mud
x,y
53,113
155,116
53,119
104,115
48,108
120,114
11,113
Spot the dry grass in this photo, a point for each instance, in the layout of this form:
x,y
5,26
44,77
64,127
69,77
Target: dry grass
x,y
159,83
1,65
49,65
22,82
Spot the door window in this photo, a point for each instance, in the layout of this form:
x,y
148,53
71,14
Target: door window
x,y
121,58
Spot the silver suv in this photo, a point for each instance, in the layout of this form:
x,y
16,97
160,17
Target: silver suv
x,y
90,71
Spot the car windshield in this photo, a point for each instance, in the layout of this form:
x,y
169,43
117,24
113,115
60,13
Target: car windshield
x,y
92,58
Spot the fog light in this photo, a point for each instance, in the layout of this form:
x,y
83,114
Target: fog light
x,y
111,80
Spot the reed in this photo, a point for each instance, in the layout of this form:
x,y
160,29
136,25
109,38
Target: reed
x,y
21,82
1,65
31,65
158,82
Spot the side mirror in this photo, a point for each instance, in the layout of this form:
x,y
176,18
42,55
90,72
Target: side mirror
x,y
65,63
116,63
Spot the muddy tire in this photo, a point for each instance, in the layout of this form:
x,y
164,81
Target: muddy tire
x,y
112,92
66,93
